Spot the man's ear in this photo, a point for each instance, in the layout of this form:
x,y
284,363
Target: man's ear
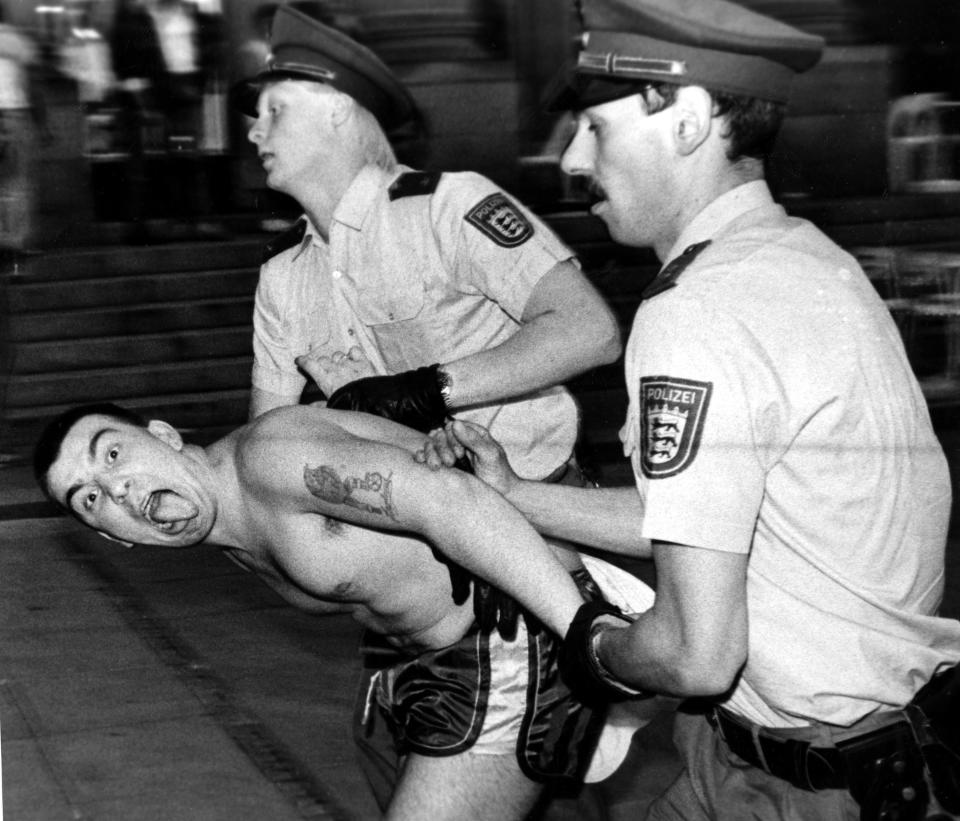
x,y
341,108
692,118
115,539
166,433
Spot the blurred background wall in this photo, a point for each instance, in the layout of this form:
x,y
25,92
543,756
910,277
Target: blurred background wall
x,y
478,67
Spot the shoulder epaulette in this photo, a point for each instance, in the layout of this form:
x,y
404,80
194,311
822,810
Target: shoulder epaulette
x,y
670,272
292,236
414,184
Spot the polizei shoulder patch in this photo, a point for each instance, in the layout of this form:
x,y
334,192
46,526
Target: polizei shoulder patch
x,y
500,220
672,413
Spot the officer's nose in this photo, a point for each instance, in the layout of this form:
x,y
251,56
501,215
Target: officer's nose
x,y
255,134
577,158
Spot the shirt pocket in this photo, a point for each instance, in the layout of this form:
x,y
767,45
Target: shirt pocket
x,y
393,312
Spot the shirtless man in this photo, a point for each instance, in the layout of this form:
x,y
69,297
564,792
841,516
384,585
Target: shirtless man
x,y
282,496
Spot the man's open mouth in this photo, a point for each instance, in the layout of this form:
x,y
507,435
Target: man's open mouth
x,y
168,511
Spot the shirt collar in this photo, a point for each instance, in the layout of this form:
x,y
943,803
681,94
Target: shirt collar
x,y
356,202
359,197
721,212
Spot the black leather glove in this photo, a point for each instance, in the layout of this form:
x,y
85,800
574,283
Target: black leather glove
x,y
495,610
579,666
412,398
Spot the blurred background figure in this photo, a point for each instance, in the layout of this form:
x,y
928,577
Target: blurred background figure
x,y
21,115
167,55
85,56
22,119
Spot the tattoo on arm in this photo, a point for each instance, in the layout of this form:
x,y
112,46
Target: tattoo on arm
x,y
372,493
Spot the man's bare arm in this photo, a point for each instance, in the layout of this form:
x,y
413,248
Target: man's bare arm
x,y
325,469
606,518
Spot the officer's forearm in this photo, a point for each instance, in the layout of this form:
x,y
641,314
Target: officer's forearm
x,y
605,518
547,349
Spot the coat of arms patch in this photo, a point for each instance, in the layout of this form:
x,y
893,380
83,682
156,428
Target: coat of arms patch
x,y
672,412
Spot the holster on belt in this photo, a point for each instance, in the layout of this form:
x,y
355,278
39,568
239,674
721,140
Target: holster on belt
x,y
885,774
934,714
910,769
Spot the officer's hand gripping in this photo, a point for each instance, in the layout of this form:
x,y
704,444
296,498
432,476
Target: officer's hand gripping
x,y
412,398
580,666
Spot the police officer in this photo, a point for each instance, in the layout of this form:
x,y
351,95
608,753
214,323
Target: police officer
x,y
792,493
450,292
407,294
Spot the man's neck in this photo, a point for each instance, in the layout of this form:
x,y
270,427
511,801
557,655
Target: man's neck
x,y
321,193
697,196
217,465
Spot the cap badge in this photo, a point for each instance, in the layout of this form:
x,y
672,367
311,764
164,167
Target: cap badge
x,y
622,66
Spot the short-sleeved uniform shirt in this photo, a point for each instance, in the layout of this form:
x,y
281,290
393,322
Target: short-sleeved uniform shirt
x,y
773,413
418,269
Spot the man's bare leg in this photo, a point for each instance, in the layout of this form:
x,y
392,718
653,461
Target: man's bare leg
x,y
465,787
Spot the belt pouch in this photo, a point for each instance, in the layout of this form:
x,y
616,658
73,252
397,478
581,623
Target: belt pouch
x,y
885,774
935,715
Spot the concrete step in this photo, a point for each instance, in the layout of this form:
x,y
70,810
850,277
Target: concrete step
x,y
118,384
61,356
132,289
133,320
91,263
202,415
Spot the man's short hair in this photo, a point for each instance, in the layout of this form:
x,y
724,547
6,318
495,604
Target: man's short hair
x,y
47,449
751,124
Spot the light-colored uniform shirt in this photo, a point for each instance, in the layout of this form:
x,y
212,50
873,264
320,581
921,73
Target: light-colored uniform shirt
x,y
413,280
773,412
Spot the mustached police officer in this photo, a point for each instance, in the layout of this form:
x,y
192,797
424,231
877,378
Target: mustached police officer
x,y
792,492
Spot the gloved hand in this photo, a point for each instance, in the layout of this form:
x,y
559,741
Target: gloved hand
x,y
495,610
412,398
580,668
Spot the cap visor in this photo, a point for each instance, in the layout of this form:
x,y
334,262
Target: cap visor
x,y
571,90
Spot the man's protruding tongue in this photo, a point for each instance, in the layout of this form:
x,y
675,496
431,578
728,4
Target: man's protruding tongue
x,y
166,507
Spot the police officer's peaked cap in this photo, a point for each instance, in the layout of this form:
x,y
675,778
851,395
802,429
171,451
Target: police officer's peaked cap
x,y
715,44
306,49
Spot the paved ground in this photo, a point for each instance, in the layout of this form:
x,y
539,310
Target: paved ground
x,y
145,685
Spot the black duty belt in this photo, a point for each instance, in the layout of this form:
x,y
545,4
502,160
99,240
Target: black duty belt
x,y
799,762
904,764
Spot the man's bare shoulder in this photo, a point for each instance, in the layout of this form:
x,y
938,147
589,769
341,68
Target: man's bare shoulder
x,y
318,423
306,421
261,447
